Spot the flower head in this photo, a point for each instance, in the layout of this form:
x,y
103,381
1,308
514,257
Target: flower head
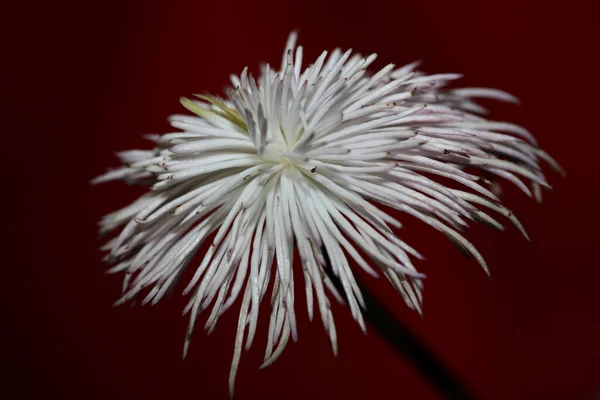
x,y
297,161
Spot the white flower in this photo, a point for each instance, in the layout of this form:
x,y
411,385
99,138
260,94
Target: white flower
x,y
297,161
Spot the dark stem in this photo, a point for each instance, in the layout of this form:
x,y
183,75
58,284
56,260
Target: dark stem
x,y
407,344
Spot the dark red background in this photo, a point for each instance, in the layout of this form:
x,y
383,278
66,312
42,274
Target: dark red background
x,y
86,78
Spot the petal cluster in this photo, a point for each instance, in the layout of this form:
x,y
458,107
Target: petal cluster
x,y
289,170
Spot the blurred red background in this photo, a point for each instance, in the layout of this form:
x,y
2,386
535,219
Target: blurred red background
x,y
94,76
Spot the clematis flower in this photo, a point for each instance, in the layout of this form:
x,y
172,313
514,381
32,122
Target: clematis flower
x,y
288,170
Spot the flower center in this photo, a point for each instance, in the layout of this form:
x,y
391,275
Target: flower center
x,y
275,152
